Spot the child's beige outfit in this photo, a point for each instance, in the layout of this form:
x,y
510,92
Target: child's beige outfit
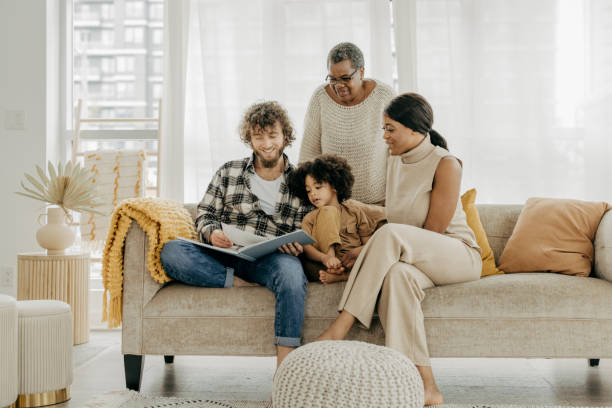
x,y
402,259
343,226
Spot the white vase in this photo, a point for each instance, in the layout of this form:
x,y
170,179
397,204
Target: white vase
x,y
56,235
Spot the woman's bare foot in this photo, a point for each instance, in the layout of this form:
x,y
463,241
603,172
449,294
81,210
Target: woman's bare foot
x,y
241,282
433,396
327,277
339,328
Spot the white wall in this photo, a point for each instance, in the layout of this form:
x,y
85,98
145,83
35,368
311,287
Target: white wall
x,y
29,78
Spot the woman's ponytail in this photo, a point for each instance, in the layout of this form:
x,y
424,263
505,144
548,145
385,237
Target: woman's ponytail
x,y
414,112
437,139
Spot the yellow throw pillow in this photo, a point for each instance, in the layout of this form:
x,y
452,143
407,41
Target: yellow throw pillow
x,y
473,220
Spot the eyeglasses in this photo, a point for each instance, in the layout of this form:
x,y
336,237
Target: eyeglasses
x,y
344,79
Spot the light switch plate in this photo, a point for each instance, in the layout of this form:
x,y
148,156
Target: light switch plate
x,y
8,280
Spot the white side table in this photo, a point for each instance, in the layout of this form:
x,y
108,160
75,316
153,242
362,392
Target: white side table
x,y
58,277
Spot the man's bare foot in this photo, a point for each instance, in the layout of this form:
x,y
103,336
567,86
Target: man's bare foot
x,y
327,277
241,282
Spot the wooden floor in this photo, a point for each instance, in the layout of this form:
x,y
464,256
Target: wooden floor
x,y
99,368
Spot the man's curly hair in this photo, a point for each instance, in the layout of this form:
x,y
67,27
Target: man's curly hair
x,y
326,168
264,114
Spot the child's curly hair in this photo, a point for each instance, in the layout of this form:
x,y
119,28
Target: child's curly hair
x,y
326,168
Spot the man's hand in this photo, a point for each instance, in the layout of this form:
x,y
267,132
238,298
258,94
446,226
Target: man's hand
x,y
292,248
219,239
348,260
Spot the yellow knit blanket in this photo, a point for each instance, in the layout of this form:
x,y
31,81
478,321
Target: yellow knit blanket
x,y
163,221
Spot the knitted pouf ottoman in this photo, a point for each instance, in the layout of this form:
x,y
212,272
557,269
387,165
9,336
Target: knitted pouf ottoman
x,y
45,352
8,351
347,374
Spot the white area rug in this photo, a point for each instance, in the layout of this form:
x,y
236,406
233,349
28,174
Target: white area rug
x,y
131,399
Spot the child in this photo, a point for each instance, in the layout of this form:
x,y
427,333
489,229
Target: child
x,y
340,226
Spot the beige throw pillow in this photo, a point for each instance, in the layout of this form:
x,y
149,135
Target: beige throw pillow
x,y
553,235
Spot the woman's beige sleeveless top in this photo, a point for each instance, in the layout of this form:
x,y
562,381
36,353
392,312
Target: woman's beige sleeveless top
x,y
409,184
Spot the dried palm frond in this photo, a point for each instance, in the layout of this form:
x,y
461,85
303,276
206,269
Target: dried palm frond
x,y
70,187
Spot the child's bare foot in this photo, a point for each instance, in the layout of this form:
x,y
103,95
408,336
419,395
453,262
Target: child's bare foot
x,y
336,271
241,282
327,277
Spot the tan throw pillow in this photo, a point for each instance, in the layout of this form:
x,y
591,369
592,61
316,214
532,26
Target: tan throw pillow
x,y
553,235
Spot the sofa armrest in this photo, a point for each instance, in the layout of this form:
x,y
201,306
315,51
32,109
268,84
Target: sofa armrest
x,y
138,288
603,248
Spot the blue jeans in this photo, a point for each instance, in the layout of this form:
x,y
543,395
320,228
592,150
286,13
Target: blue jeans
x,y
281,273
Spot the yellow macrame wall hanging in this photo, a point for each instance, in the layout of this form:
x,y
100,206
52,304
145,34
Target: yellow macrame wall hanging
x,y
118,174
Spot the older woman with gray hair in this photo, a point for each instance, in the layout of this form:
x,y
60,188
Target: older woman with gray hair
x,y
344,118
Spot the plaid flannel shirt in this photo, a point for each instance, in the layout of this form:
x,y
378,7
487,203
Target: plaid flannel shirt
x,y
229,200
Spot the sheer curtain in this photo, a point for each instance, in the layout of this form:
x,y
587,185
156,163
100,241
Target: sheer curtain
x,y
222,56
522,90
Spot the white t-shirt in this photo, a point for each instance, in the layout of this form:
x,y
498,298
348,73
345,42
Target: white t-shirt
x,y
266,191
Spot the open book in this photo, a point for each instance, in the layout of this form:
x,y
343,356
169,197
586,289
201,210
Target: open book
x,y
251,247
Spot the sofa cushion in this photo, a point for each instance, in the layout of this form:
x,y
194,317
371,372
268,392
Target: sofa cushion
x,y
603,248
522,296
179,300
516,296
473,221
553,235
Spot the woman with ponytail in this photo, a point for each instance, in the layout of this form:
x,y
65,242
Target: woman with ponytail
x,y
426,243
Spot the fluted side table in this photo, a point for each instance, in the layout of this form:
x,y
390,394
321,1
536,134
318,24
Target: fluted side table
x,y
58,277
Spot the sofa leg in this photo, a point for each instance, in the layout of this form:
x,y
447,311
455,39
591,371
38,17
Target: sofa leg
x,y
594,362
169,359
132,365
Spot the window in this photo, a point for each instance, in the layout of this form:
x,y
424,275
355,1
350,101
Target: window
x,y
107,64
134,35
157,65
156,12
94,88
110,40
156,90
157,36
126,90
107,11
125,64
134,9
83,12
107,90
82,37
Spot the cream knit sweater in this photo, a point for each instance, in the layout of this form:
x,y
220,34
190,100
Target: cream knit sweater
x,y
354,133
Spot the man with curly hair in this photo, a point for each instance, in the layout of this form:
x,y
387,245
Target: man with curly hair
x,y
251,194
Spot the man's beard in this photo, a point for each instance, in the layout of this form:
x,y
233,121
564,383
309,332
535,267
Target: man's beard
x,y
268,164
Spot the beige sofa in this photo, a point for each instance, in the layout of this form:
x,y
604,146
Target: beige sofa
x,y
515,315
